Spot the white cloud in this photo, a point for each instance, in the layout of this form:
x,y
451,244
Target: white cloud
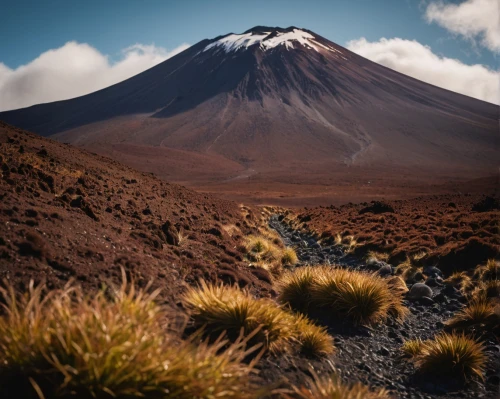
x,y
73,70
416,60
472,19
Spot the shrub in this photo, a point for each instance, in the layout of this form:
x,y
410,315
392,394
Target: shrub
x,y
65,344
451,356
364,298
412,348
333,388
480,313
221,308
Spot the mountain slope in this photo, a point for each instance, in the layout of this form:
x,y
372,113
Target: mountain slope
x,y
67,213
275,101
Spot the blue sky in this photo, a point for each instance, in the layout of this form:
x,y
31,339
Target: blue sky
x,y
32,27
102,33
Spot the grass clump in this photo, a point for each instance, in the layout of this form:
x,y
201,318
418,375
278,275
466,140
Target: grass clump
x,y
460,280
364,298
409,271
266,253
374,256
64,344
219,308
295,287
412,348
451,356
314,340
289,257
481,313
333,388
488,272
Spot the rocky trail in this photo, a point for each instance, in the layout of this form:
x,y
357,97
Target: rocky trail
x,y
373,356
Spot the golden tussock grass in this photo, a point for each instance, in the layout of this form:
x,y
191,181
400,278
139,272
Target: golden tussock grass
x,y
377,256
481,313
412,348
295,287
488,272
289,257
451,356
219,308
364,298
408,270
64,343
460,280
333,388
314,340
265,253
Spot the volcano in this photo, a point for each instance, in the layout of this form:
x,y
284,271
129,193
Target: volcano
x,y
273,110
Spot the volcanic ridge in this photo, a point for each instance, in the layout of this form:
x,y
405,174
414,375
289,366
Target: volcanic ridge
x,y
284,116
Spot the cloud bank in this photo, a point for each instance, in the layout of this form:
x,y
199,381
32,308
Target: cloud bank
x,y
475,20
414,59
73,70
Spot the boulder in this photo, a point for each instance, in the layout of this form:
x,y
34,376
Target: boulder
x,y
419,290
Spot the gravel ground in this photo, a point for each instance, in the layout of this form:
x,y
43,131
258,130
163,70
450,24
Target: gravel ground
x,y
373,356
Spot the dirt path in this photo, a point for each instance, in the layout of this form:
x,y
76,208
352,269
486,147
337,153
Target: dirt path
x,y
373,356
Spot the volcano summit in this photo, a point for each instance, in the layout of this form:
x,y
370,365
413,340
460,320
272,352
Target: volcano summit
x,y
280,113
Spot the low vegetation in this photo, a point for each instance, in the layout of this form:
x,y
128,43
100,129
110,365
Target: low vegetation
x,y
460,280
481,314
409,270
117,344
289,257
364,298
376,256
488,272
333,388
448,356
219,308
412,348
314,340
264,250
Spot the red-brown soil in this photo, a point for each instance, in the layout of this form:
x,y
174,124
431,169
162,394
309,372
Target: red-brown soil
x,y
453,231
67,213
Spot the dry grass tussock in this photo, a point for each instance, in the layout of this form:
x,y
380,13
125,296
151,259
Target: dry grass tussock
x,y
409,270
219,308
333,388
268,254
64,344
450,356
460,280
488,272
412,348
376,256
481,314
364,298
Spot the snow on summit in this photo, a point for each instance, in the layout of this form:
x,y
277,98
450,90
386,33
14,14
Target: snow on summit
x,y
268,40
